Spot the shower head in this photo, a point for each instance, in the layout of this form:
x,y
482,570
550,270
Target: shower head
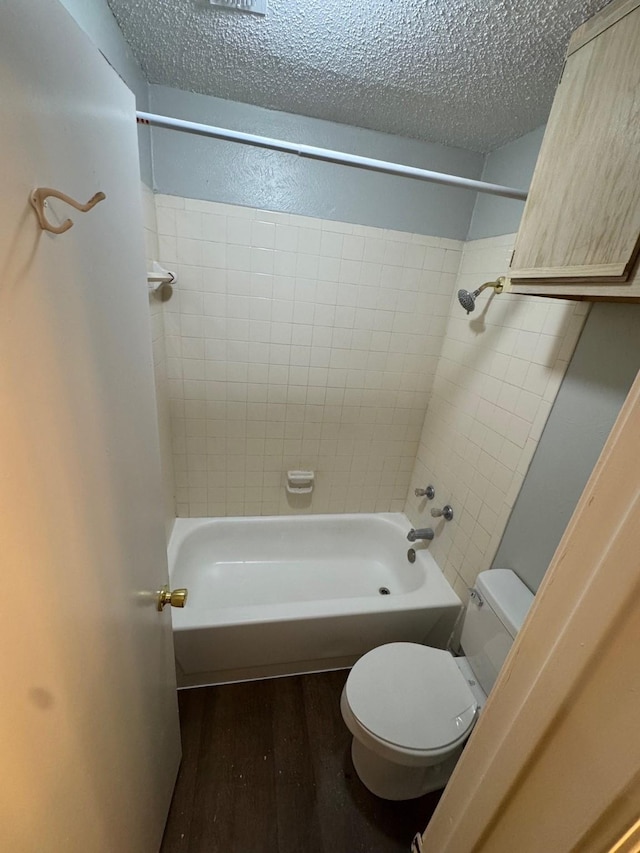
x,y
468,300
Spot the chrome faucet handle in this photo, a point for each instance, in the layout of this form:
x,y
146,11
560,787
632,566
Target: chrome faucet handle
x,y
446,512
428,493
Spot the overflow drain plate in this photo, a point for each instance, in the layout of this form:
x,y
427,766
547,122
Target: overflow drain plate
x,y
384,590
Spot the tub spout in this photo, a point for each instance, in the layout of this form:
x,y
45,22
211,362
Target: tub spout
x,y
421,533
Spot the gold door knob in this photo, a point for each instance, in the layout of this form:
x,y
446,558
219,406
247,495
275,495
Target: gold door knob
x,y
177,598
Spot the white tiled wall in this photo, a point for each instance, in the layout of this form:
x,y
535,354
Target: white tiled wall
x,y
497,377
159,363
294,342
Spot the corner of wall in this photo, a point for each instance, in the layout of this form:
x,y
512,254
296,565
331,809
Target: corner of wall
x,y
513,165
97,21
160,366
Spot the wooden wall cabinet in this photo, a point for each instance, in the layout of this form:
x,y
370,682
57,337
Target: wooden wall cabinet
x,y
580,230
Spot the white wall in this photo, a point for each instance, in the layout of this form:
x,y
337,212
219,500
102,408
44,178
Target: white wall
x,y
96,19
295,342
196,167
89,714
497,377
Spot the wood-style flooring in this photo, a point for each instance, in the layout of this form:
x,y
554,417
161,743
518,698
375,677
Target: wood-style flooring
x,y
267,768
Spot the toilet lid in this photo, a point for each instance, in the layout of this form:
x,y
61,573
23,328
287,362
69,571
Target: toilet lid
x,y
412,696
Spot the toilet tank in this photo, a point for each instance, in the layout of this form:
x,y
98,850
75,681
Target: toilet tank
x,y
497,608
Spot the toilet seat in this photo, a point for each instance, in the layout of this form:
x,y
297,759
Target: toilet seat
x,y
412,697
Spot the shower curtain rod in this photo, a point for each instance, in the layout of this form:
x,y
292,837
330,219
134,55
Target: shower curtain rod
x,y
329,156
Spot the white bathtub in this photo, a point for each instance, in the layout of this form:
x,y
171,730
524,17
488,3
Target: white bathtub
x,y
291,594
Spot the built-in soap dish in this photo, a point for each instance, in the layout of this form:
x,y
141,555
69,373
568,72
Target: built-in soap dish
x,y
300,482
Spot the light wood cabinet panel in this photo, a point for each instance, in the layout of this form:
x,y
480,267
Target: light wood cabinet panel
x,y
581,222
590,289
606,18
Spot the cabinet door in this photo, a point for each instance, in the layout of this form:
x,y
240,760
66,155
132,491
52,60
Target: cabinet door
x,y
582,216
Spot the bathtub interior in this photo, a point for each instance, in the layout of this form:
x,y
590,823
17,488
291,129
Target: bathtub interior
x,y
276,560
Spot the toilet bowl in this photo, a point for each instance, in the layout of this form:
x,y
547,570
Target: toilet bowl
x,y
411,708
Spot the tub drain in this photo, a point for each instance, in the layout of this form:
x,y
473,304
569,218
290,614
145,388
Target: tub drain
x,y
384,590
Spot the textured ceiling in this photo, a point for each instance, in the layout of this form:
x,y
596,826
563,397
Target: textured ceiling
x,y
470,73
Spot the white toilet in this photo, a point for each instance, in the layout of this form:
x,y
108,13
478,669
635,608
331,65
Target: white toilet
x,y
410,708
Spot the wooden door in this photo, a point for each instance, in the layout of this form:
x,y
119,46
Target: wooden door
x,y
554,762
582,216
88,713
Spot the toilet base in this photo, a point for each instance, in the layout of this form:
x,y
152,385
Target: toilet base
x,y
392,781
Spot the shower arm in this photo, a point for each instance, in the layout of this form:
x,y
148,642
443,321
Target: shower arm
x,y
497,285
